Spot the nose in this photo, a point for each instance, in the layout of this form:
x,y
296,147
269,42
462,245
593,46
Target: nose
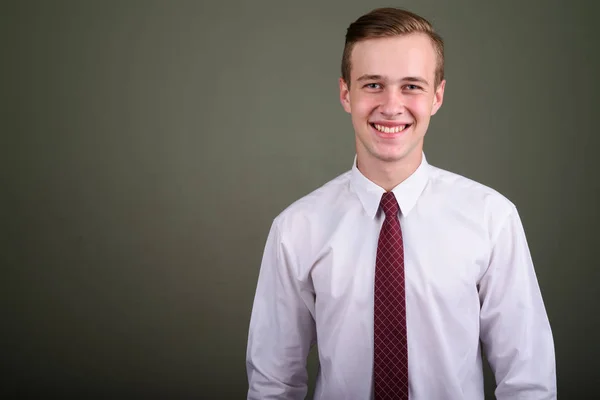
x,y
392,103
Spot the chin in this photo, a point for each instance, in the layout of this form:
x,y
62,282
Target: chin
x,y
391,158
390,153
386,156
396,155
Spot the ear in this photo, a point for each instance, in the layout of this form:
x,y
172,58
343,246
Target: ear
x,y
438,98
344,95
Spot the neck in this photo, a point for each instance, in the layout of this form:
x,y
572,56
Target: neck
x,y
388,174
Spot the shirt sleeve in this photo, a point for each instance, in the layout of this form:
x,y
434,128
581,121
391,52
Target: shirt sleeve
x,y
282,328
515,331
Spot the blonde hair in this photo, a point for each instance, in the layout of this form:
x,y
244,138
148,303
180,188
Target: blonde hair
x,y
389,22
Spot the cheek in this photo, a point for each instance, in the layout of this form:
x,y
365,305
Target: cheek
x,y
420,107
363,106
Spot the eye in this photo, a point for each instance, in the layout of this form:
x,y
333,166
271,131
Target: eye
x,y
372,86
412,87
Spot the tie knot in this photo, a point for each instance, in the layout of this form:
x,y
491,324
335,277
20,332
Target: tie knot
x,y
389,205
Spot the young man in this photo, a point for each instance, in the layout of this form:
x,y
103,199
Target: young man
x,y
402,272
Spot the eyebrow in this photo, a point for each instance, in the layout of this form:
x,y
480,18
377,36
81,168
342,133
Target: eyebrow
x,y
368,77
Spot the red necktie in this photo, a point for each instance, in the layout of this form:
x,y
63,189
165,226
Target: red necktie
x,y
390,370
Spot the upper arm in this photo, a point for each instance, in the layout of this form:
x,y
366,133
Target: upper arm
x,y
282,327
515,330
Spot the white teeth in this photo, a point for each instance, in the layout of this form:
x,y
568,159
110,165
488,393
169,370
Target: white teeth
x,y
386,129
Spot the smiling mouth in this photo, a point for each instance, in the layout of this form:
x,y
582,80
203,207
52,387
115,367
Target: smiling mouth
x,y
389,129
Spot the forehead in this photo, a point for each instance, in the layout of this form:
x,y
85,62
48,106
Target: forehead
x,y
395,57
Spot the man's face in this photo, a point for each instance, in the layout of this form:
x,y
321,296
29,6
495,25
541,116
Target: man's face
x,y
392,96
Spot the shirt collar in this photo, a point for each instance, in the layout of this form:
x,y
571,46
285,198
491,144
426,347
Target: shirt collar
x,y
406,193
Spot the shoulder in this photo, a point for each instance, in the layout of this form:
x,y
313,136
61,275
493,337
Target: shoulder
x,y
469,198
316,206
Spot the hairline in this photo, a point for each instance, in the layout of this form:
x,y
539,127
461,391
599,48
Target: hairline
x,y
349,50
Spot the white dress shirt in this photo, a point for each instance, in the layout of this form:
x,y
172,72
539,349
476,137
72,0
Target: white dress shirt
x,y
470,281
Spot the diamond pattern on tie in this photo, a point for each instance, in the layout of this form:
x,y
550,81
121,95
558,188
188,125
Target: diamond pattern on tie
x,y
390,369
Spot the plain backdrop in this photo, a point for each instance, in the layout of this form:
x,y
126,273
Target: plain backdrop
x,y
146,146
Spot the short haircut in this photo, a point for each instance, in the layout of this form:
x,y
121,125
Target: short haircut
x,y
390,22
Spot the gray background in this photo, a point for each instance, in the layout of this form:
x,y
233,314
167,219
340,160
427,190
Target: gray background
x,y
147,146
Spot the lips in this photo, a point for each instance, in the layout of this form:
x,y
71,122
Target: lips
x,y
389,130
